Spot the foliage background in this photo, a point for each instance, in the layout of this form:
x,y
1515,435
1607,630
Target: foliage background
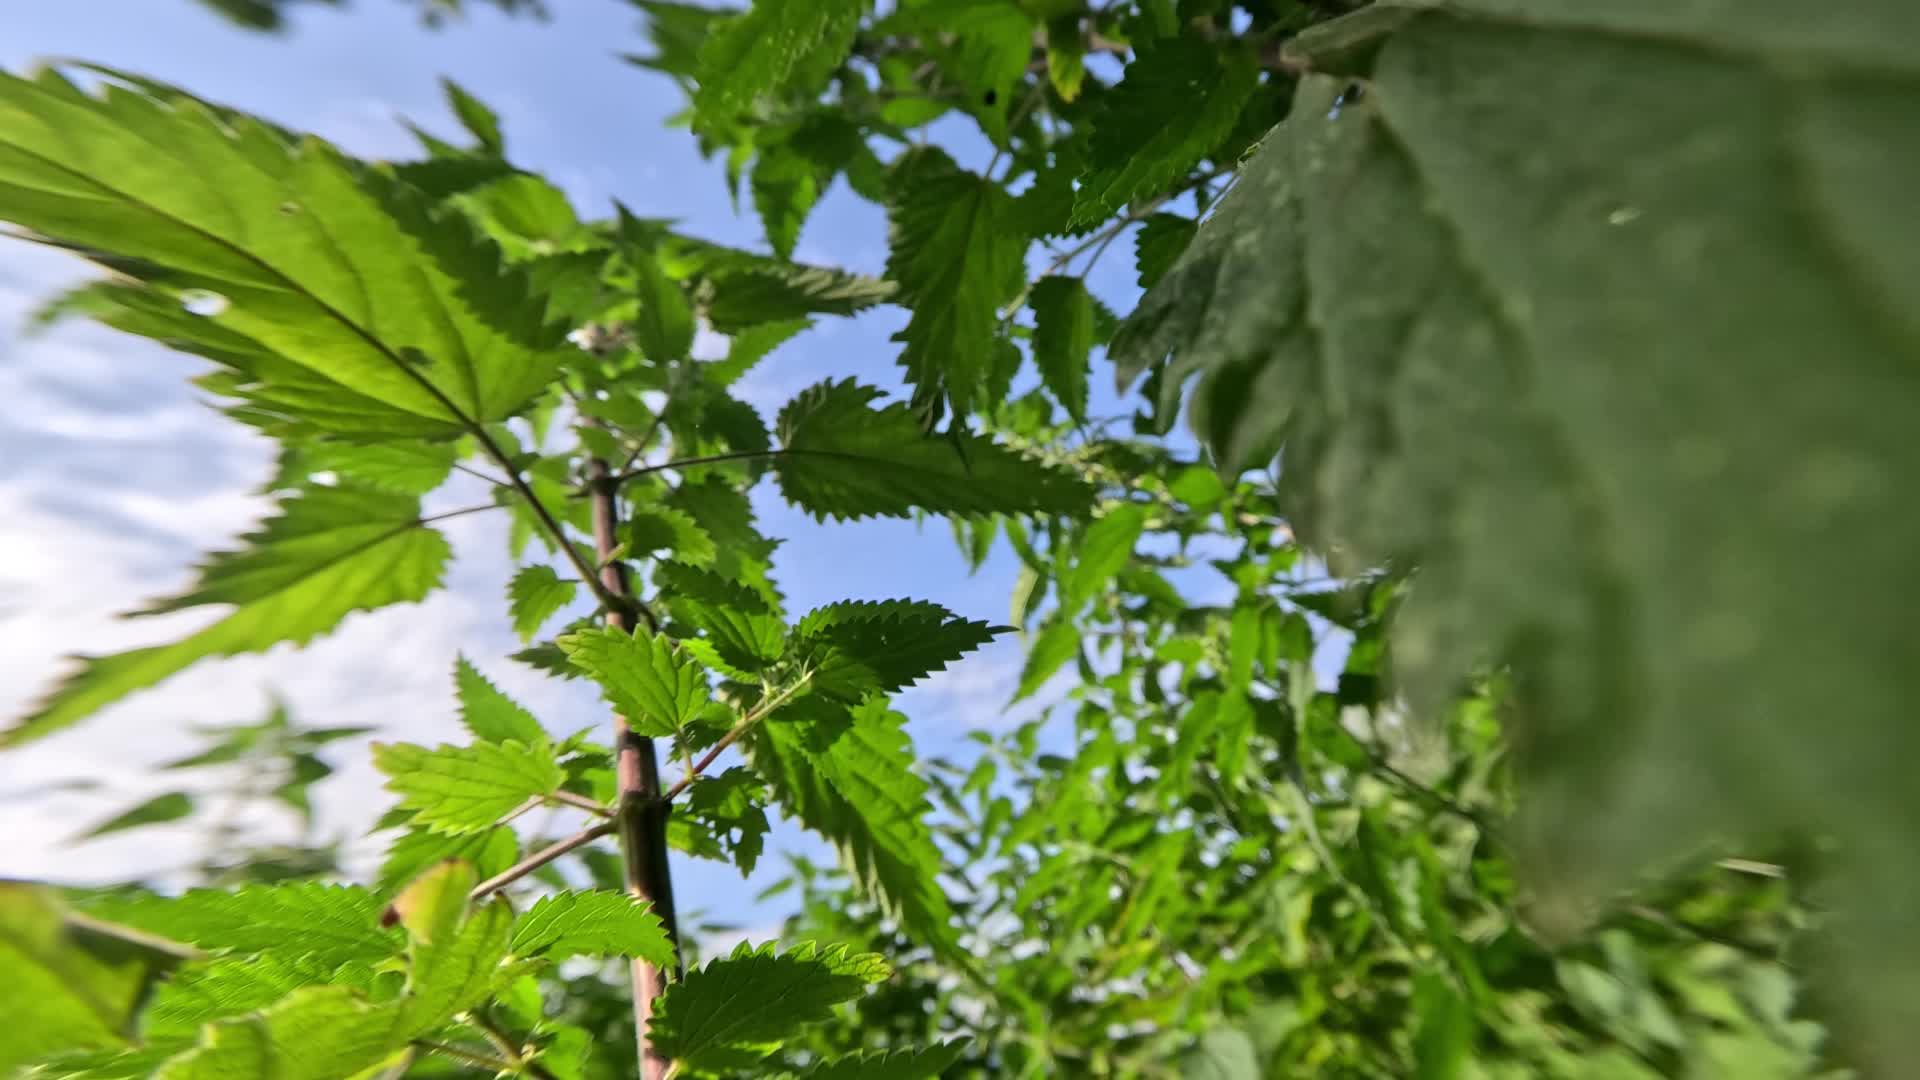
x,y
1373,970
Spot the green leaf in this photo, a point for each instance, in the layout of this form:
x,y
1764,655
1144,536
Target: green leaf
x,y
1556,353
753,293
228,986
460,789
1443,1044
319,1033
1177,101
957,258
775,47
655,686
785,187
1063,339
664,327
1222,1054
735,1011
71,984
843,458
925,1064
172,806
749,346
273,245
723,817
743,630
490,714
855,648
332,924
673,534
1057,643
329,553
480,121
535,595
456,970
1103,552
433,905
592,924
491,852
411,468
850,778
1161,239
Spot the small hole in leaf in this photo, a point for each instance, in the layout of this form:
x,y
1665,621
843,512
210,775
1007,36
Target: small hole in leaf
x,y
203,302
991,97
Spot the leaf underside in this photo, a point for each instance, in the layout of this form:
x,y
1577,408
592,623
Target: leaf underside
x,y
1626,366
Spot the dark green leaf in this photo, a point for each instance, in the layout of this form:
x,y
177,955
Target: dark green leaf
x,y
481,122
1063,339
956,257
775,47
843,458
855,648
1179,98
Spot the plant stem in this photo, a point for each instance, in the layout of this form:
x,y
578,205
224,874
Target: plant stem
x,y
614,603
642,813
746,723
539,859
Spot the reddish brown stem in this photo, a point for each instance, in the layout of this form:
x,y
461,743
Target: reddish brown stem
x,y
641,814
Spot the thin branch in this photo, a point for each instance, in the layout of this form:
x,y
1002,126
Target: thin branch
x,y
759,713
462,512
469,1057
554,529
498,1037
531,802
652,430
687,463
477,474
581,802
539,859
1107,235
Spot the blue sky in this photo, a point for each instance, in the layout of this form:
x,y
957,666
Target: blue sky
x,y
121,476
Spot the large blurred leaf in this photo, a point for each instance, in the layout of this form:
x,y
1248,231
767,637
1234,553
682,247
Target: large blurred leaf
x,y
1626,364
327,285
70,984
330,553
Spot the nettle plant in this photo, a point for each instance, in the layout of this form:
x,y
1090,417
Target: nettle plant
x,y
385,324
1583,333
